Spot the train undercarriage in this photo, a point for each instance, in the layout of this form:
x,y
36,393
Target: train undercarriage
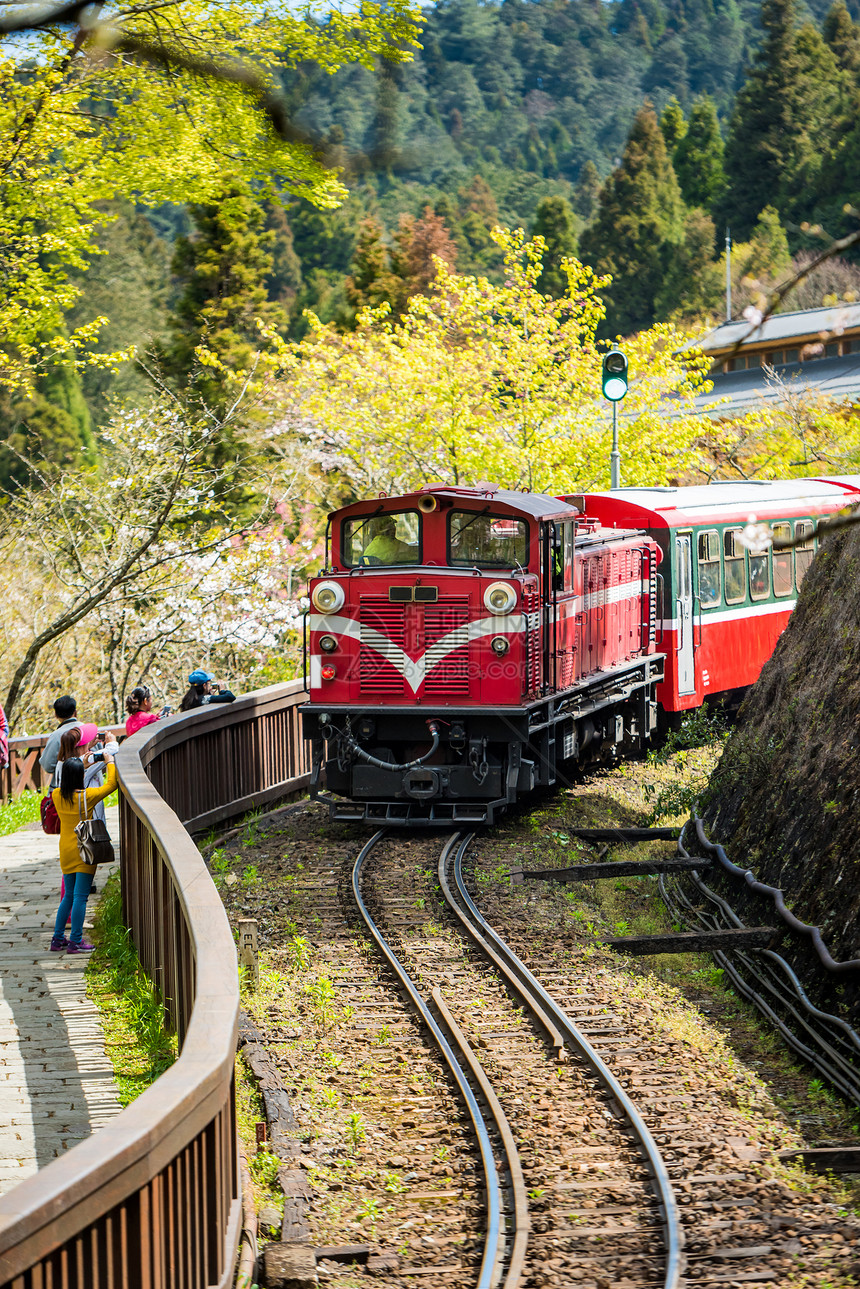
x,y
419,766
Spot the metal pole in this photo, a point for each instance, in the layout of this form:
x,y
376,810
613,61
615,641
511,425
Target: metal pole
x,y
615,455
728,274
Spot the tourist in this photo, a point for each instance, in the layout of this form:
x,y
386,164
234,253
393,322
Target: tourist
x,y
73,803
204,689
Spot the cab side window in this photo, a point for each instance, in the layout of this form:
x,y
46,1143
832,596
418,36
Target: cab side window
x,y
709,568
805,548
783,579
735,566
568,557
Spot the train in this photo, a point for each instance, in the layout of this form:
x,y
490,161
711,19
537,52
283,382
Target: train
x,y
466,646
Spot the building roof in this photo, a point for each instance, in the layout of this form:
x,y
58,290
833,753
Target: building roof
x,y
804,324
832,378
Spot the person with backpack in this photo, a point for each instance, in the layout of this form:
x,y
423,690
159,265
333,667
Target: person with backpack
x,y
4,740
73,803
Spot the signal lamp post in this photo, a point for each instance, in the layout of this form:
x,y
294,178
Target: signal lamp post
x,y
614,388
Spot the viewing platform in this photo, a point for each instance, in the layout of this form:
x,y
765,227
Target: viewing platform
x,y
56,1082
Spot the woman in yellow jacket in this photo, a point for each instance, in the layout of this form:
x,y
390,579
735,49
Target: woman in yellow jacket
x,y
72,805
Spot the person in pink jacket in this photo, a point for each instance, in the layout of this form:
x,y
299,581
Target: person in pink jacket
x,y
139,708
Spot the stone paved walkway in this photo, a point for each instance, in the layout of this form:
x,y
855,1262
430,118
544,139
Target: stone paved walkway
x,y
56,1083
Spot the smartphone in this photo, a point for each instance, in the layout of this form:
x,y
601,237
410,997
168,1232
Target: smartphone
x,y
166,710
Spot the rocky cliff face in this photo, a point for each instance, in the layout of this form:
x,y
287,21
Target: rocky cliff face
x,y
785,797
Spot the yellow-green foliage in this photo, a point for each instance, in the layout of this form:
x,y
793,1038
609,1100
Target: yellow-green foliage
x,y
83,122
481,381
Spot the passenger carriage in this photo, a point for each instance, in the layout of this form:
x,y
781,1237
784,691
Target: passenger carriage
x,y
723,606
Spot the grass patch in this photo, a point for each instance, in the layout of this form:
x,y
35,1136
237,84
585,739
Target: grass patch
x,y
19,811
137,1040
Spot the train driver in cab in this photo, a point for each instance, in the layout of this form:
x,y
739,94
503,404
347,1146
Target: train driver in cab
x,y
384,547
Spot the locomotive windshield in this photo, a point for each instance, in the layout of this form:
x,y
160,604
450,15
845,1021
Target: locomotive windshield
x,y
477,537
382,539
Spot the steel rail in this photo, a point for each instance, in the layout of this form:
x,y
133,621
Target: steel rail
x,y
493,1243
516,1261
824,1057
529,987
775,894
827,1018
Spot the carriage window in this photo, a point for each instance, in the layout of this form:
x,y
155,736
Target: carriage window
x,y
475,537
709,568
735,566
760,576
783,583
382,539
805,549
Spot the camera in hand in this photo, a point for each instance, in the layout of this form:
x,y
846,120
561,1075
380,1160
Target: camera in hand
x,y
98,756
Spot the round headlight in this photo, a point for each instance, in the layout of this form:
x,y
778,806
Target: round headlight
x,y
328,597
500,597
328,644
500,645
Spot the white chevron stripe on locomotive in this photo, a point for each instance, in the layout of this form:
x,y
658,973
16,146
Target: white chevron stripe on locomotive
x,y
414,670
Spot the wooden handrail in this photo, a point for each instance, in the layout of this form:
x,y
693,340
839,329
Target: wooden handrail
x,y
153,1198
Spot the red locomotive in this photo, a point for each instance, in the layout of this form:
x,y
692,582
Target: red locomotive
x,y
465,643
468,645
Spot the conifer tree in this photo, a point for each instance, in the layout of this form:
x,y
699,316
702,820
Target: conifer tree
x,y
418,244
223,270
371,281
51,427
698,157
672,125
767,256
586,194
639,227
782,123
555,222
284,281
842,34
693,283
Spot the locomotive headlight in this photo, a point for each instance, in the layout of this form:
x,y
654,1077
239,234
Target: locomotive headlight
x,y
328,644
499,597
500,645
328,597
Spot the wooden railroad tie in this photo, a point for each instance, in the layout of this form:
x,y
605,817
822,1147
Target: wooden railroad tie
x,y
755,937
621,868
835,1159
626,834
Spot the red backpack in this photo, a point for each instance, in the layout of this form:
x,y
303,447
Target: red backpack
x,y
50,818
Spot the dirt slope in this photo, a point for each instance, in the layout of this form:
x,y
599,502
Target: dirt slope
x,y
785,797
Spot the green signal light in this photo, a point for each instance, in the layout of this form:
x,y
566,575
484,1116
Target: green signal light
x,y
614,376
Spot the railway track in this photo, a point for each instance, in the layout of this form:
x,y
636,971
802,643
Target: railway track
x,y
565,1189
595,1147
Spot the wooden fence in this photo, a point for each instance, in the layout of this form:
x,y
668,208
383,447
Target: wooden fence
x,y
152,1201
